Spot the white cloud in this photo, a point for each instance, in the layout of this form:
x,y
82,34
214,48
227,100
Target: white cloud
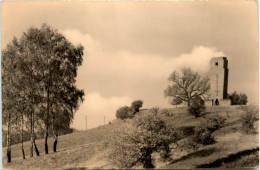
x,y
96,107
158,66
129,65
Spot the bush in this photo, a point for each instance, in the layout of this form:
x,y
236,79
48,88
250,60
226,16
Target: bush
x,y
136,105
238,99
203,133
203,136
248,118
214,122
197,106
124,113
135,142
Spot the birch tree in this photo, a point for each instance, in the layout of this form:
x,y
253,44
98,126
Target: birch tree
x,y
9,90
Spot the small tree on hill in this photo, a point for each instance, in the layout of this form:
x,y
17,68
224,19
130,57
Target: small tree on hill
x,y
136,105
186,84
197,106
137,141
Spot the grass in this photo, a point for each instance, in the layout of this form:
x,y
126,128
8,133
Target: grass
x,y
229,141
208,154
88,149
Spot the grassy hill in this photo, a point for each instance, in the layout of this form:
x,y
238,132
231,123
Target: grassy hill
x,y
88,149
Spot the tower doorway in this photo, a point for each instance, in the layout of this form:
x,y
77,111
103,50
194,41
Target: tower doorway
x,y
216,102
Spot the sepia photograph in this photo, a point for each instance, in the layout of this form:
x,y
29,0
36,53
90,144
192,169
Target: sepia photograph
x,y
129,84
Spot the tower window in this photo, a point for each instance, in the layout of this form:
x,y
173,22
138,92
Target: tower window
x,y
216,63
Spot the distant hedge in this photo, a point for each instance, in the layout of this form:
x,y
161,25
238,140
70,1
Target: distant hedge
x,y
238,99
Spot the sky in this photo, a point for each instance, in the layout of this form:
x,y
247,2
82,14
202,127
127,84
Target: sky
x,y
130,48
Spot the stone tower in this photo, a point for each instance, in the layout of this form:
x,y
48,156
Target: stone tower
x,y
219,81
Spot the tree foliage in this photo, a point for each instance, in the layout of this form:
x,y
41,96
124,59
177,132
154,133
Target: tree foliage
x,y
185,84
197,106
135,143
238,99
176,101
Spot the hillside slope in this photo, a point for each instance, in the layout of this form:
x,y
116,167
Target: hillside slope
x,y
89,148
73,149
